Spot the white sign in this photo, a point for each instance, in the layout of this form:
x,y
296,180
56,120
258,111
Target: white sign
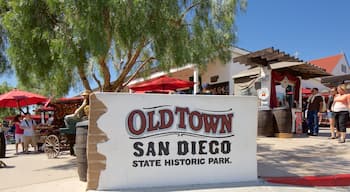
x,y
263,93
176,140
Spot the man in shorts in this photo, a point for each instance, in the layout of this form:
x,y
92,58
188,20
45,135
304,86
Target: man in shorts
x,y
29,125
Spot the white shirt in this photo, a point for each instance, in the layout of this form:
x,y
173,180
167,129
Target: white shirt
x,y
339,106
50,120
28,126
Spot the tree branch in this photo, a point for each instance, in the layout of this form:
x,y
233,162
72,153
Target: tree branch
x,y
102,60
81,70
129,54
188,9
128,66
118,65
106,73
97,81
178,22
135,73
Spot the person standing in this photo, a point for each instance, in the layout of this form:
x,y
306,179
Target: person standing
x,y
18,132
330,114
315,105
341,106
50,119
29,125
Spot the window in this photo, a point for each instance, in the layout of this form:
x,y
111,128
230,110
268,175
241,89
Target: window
x,y
343,68
285,95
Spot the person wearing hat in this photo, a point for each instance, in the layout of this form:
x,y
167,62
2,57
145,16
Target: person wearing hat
x,y
79,113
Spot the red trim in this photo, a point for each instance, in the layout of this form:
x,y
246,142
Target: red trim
x,y
326,181
70,98
277,77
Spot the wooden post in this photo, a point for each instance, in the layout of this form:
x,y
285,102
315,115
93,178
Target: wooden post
x,y
195,80
265,75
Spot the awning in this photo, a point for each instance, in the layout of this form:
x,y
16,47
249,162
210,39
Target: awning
x,y
303,69
247,73
265,57
334,81
281,61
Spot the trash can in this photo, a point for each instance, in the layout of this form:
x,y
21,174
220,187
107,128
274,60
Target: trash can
x,y
2,144
80,148
265,123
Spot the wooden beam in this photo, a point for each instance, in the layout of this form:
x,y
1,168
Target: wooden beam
x,y
261,52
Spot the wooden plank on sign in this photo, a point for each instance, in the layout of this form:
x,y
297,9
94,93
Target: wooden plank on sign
x,y
95,136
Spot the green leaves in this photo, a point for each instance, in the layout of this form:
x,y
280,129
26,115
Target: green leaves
x,y
4,112
49,40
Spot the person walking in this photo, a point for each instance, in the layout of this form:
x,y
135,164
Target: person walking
x,y
29,125
341,106
18,133
330,114
315,105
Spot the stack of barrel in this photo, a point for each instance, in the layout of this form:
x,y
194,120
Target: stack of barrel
x,y
276,122
265,123
283,122
80,148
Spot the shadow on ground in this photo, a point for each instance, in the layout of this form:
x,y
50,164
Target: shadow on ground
x,y
323,158
70,164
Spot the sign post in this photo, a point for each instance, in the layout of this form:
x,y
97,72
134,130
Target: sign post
x,y
146,140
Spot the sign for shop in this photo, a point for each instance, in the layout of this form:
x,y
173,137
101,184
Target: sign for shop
x,y
146,140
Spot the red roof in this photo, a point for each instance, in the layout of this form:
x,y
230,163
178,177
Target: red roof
x,y
328,63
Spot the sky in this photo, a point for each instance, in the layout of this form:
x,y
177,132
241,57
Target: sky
x,y
308,29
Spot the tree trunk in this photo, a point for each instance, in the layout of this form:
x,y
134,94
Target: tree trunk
x,y
81,70
128,66
84,78
106,75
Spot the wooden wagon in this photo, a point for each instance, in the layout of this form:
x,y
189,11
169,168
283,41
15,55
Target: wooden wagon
x,y
59,136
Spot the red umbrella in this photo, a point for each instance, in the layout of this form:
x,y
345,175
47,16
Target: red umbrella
x,y
161,83
306,91
18,98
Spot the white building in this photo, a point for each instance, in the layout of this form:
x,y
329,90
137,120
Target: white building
x,y
335,65
216,75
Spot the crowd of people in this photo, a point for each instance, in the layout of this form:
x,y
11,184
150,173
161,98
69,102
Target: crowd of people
x,y
22,129
337,108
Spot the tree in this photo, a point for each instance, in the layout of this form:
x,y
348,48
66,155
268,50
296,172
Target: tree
x,y
51,41
4,65
4,112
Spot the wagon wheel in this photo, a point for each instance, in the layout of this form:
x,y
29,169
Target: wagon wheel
x,y
52,146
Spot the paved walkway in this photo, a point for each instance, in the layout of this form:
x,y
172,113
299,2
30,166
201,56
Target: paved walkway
x,y
35,172
303,156
277,158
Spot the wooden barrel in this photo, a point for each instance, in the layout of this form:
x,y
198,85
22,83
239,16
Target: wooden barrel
x,y
2,145
265,123
283,120
80,148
